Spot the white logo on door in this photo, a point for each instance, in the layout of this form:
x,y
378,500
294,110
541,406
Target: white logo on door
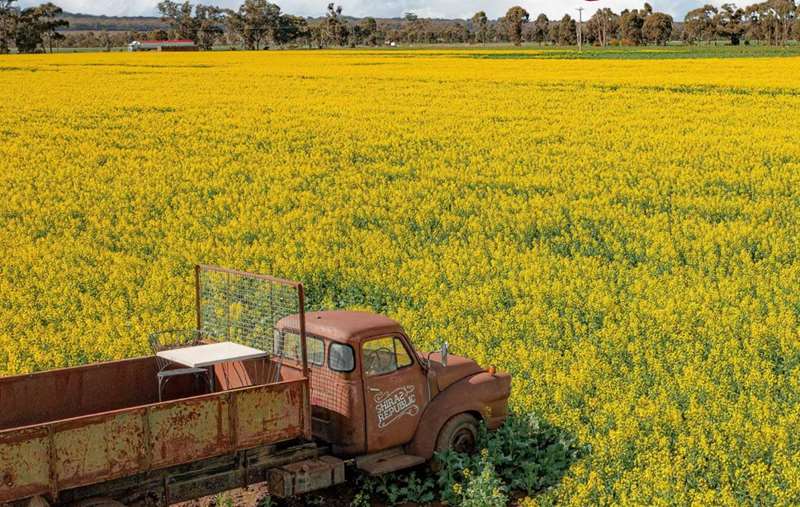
x,y
391,406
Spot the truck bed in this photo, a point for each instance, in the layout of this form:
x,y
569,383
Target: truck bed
x,y
73,427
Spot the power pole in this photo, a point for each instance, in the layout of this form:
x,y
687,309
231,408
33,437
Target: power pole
x,y
580,29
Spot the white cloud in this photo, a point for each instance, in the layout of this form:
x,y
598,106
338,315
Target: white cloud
x,y
389,8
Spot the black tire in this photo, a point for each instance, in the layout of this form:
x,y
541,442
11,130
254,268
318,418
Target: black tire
x,y
459,434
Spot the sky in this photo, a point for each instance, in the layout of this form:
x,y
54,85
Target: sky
x,y
388,8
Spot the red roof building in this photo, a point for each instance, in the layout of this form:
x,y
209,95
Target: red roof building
x,y
163,45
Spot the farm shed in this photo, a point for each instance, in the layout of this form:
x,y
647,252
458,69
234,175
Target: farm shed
x,y
163,45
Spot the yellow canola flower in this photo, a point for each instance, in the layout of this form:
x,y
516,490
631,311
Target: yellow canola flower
x,y
621,235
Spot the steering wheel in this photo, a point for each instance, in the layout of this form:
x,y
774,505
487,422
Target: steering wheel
x,y
373,357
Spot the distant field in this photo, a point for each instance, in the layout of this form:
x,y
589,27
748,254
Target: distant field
x,y
535,51
672,51
621,234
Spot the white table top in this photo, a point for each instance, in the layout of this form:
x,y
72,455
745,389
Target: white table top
x,y
200,356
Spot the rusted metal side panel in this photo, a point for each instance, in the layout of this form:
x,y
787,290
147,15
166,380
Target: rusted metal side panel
x,y
103,447
126,440
55,395
188,430
24,464
80,452
87,450
271,413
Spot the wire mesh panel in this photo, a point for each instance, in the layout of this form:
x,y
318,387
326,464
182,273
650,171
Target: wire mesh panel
x,y
244,308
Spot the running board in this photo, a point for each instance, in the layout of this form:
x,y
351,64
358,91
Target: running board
x,y
390,460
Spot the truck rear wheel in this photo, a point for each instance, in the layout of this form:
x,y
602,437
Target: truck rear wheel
x,y
459,434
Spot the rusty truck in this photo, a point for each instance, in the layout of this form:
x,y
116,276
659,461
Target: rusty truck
x,y
259,391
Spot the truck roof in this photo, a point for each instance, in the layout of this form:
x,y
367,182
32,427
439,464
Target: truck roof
x,y
343,326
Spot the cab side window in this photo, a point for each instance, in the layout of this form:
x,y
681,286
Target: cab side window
x,y
384,355
287,345
315,350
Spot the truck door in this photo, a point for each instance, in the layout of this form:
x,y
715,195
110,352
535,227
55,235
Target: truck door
x,y
394,391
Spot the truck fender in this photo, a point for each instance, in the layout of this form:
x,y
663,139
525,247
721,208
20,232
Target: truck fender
x,y
482,395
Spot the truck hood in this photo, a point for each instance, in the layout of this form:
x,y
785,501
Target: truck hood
x,y
457,368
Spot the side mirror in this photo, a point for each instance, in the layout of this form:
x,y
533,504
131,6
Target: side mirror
x,y
445,352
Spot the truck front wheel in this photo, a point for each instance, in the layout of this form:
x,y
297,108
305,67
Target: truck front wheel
x,y
459,434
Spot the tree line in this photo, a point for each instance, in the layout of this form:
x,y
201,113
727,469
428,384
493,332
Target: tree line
x,y
260,24
773,22
629,27
31,29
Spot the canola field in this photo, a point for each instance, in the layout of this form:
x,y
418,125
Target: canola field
x,y
621,235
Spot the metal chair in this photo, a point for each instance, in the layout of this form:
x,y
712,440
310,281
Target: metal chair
x,y
165,373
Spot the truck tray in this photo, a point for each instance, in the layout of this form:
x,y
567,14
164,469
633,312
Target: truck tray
x,y
99,422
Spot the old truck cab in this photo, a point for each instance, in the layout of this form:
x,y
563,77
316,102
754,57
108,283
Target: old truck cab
x,y
375,397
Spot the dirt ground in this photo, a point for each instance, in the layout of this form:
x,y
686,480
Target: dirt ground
x,y
257,495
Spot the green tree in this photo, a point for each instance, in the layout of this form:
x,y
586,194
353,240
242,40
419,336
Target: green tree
x,y
603,25
796,26
514,19
480,26
367,31
8,24
771,21
256,23
630,26
157,35
415,29
334,27
179,17
49,22
200,23
36,25
729,22
567,31
208,20
751,22
783,11
657,28
291,29
699,24
540,28
552,32
455,32
26,37
105,41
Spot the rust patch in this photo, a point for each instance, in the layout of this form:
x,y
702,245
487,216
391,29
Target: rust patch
x,y
25,468
187,430
269,413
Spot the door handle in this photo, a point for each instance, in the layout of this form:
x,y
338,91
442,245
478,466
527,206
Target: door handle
x,y
374,389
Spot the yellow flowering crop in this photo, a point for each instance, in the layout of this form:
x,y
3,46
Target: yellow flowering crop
x,y
622,235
